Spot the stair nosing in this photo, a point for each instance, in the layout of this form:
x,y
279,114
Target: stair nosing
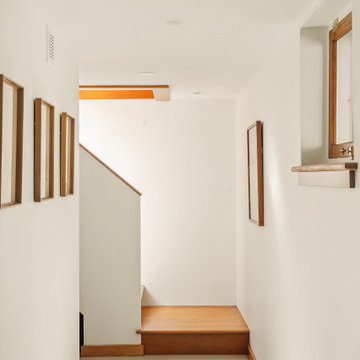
x,y
242,331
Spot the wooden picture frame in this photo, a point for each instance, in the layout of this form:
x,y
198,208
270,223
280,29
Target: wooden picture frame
x,y
67,154
341,150
255,173
11,142
43,151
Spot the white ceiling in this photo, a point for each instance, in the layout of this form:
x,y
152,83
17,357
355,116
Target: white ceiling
x,y
219,46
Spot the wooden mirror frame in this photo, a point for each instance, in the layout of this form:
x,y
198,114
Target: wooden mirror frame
x,y
37,150
260,181
336,150
64,155
19,138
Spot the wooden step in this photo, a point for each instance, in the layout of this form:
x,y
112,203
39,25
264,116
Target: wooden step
x,y
172,330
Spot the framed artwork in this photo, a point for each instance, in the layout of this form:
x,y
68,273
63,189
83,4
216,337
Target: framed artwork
x,y
11,142
67,154
44,151
255,173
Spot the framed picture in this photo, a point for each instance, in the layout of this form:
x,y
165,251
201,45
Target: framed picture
x,y
11,142
44,151
255,173
67,154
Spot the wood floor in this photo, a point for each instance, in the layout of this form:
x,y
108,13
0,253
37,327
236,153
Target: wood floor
x,y
193,330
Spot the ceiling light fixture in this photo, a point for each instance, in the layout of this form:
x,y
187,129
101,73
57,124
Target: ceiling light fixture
x,y
173,22
197,92
146,73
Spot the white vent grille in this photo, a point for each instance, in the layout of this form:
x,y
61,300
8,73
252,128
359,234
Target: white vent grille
x,y
50,45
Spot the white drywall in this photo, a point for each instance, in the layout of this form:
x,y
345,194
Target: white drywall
x,y
109,256
298,277
180,154
39,242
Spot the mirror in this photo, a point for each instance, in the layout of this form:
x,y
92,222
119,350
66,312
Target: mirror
x,y
343,90
340,90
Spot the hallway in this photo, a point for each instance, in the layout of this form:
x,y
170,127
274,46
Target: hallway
x,y
179,179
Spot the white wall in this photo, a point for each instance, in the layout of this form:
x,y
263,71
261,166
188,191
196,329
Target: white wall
x,y
298,277
180,155
39,241
109,256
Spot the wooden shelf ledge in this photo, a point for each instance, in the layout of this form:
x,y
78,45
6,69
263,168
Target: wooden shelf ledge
x,y
340,175
347,166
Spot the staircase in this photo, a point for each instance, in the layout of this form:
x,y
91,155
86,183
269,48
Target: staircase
x,y
110,275
175,330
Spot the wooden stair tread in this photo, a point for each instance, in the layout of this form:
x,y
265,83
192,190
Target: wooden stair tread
x,y
192,320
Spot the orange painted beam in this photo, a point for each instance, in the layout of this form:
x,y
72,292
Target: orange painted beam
x,y
115,94
124,86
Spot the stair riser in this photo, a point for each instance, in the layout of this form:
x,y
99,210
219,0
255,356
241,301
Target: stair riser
x,y
195,344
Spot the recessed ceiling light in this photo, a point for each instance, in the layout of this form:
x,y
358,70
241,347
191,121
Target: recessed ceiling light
x,y
146,73
172,22
197,92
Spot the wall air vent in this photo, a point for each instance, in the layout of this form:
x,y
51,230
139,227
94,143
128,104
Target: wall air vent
x,y
50,45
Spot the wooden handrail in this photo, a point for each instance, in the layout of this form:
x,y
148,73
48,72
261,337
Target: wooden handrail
x,y
110,169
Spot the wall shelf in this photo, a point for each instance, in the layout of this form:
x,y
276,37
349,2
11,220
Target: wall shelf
x,y
330,175
347,166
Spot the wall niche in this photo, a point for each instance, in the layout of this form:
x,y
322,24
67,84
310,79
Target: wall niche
x,y
319,106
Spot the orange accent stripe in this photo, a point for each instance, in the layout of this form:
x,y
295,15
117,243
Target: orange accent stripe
x,y
124,86
115,94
